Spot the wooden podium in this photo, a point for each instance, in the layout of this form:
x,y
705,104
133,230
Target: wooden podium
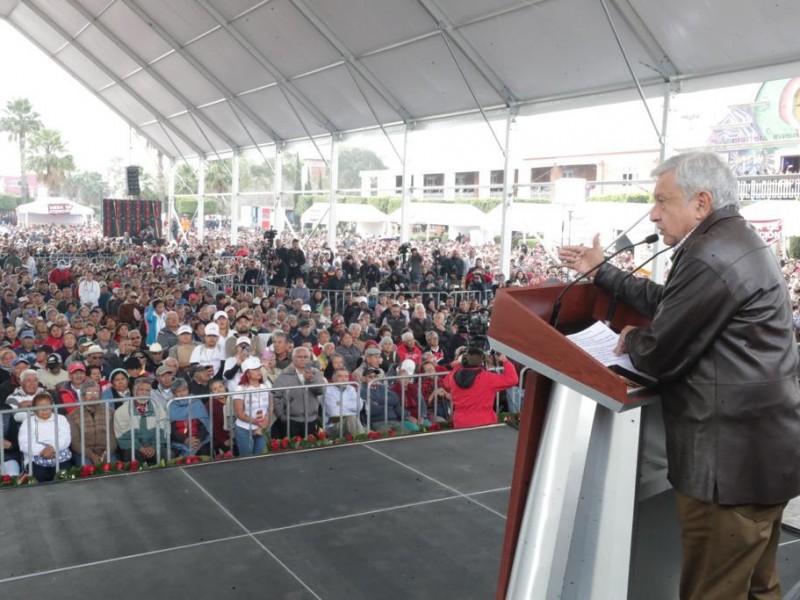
x,y
590,447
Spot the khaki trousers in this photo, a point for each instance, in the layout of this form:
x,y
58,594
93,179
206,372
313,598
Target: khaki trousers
x,y
729,551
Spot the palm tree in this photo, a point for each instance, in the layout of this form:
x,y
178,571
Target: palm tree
x,y
19,120
49,160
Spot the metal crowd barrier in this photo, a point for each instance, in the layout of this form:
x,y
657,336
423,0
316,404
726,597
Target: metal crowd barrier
x,y
163,429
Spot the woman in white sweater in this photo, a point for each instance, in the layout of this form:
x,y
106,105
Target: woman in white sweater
x,y
44,438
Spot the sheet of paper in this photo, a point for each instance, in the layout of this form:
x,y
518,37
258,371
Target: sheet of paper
x,y
599,341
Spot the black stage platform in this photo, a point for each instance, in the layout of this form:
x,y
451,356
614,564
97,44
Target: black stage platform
x,y
406,518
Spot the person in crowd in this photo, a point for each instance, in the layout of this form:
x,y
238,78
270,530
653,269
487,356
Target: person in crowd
x,y
384,408
210,351
348,351
183,350
281,350
232,369
162,386
297,409
720,344
343,406
139,426
252,405
119,389
199,378
44,439
52,375
473,388
168,336
89,290
98,443
189,422
409,349
220,410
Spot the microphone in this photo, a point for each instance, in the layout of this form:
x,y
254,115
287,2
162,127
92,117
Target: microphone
x,y
653,237
612,307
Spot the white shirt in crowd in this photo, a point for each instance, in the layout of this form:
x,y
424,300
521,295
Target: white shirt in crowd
x,y
205,355
35,434
256,403
89,292
342,401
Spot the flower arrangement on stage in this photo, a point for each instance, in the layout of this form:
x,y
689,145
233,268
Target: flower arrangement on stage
x,y
317,440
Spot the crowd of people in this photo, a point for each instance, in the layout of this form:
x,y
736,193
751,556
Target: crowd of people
x,y
117,333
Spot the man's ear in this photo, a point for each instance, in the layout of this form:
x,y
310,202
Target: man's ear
x,y
705,204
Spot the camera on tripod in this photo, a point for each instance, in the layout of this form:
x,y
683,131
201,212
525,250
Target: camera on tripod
x,y
268,247
476,326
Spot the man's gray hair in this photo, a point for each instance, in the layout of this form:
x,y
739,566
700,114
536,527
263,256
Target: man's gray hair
x,y
89,385
702,171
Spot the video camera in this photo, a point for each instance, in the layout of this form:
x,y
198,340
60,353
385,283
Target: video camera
x,y
476,326
268,248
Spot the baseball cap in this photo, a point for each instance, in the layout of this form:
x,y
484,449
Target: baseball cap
x,y
132,363
251,363
26,333
54,359
164,369
362,299
372,371
409,366
184,329
212,329
94,349
155,347
76,366
242,340
220,313
85,341
20,359
305,307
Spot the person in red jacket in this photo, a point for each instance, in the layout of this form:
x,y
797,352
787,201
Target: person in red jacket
x,y
473,388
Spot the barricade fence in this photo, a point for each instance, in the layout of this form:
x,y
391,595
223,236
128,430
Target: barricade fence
x,y
332,416
338,299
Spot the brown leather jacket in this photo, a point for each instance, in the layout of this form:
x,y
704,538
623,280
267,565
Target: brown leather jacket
x,y
722,346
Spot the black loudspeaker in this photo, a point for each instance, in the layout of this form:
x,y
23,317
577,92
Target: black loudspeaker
x,y
133,181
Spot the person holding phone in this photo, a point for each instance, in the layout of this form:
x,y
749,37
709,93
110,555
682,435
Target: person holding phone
x,y
252,406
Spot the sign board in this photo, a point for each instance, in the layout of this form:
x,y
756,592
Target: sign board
x,y
61,208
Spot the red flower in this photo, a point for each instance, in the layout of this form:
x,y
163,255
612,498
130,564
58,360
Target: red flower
x,y
285,443
106,467
435,427
228,454
274,445
120,465
6,478
297,439
322,436
390,433
311,439
134,465
180,460
348,437
373,435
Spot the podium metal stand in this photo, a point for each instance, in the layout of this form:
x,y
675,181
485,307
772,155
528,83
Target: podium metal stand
x,y
591,448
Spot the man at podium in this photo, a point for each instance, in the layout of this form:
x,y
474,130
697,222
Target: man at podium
x,y
721,344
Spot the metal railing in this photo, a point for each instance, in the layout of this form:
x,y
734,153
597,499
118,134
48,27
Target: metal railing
x,y
427,409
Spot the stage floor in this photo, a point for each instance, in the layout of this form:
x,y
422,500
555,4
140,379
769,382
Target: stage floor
x,y
406,518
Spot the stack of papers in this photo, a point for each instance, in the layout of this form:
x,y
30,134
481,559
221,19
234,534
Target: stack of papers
x,y
599,341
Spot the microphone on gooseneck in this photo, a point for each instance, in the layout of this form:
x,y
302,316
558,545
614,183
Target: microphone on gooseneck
x,y
653,237
612,307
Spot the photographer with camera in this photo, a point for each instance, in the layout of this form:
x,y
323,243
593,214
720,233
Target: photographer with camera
x,y
473,388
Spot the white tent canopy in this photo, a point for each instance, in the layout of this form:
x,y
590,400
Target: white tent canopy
x,y
197,78
459,218
60,211
368,219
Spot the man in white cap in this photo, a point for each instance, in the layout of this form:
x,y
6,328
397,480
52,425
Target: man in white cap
x,y
182,351
223,323
209,352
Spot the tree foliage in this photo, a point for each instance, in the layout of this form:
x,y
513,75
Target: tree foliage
x,y
353,160
19,121
48,158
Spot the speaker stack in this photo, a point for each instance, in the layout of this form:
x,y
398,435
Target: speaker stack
x,y
133,181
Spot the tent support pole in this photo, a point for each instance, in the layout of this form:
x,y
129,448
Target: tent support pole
x,y
334,180
235,197
405,201
508,196
201,200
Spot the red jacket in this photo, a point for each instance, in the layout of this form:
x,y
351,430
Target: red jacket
x,y
473,391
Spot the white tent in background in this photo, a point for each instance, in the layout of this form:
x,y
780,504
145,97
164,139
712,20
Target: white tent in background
x,y
368,219
57,211
459,218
